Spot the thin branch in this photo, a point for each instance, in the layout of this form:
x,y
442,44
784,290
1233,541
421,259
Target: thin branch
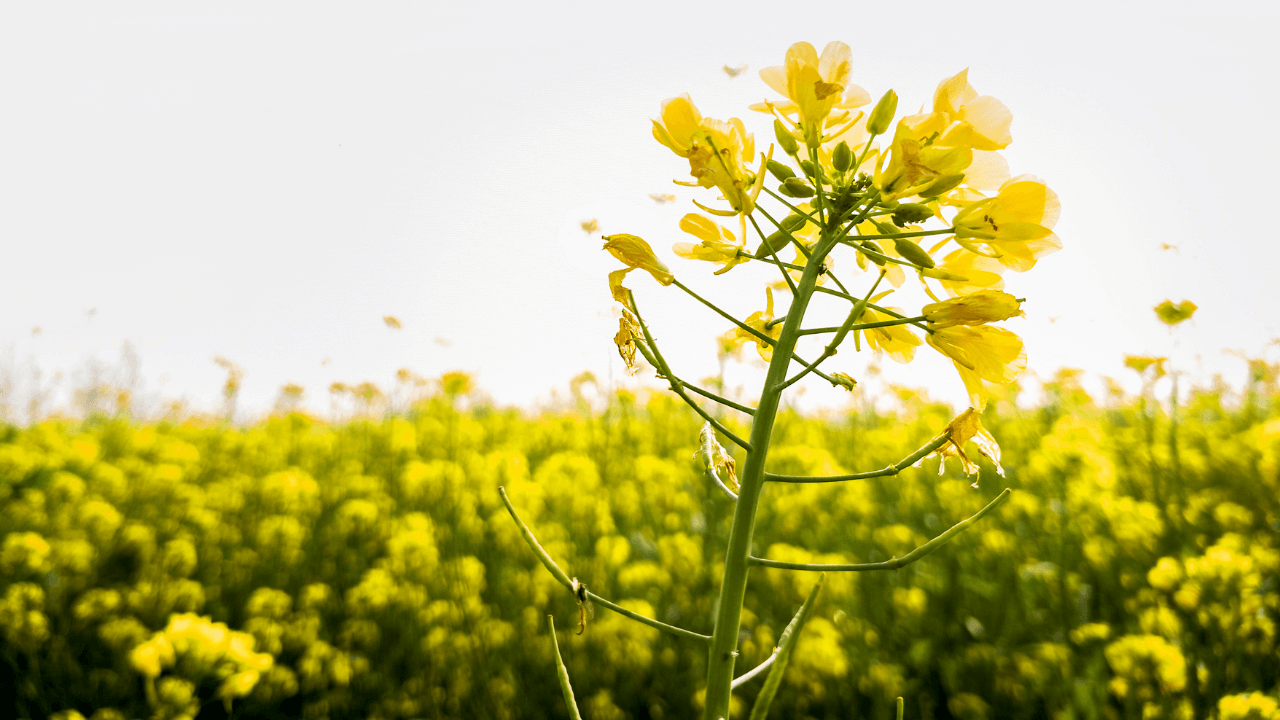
x,y
754,332
561,576
749,675
873,306
895,563
562,673
841,333
723,401
803,251
864,326
893,469
914,233
676,385
773,253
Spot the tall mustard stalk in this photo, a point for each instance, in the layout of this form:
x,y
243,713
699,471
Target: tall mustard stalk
x,y
837,191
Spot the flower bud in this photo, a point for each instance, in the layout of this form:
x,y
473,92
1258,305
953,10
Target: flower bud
x,y
773,243
883,113
796,188
940,274
844,381
780,171
810,170
786,140
944,184
907,213
912,252
793,222
872,253
842,157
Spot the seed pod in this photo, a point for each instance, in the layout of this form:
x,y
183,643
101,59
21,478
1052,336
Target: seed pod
x,y
786,140
796,188
943,184
780,171
793,222
772,243
912,252
872,253
808,168
842,157
907,213
880,118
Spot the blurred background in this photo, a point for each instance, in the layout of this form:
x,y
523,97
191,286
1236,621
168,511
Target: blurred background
x,y
266,184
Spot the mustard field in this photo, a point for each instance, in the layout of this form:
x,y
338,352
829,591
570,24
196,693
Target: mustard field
x,y
367,569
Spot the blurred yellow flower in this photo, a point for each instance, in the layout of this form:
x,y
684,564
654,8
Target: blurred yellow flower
x,y
636,253
976,308
981,354
759,321
965,427
896,341
392,322
979,122
1140,363
152,656
238,686
718,152
719,245
590,227
1017,223
814,85
1171,314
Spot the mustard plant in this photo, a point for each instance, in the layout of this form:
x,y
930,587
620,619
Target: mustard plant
x,y
936,203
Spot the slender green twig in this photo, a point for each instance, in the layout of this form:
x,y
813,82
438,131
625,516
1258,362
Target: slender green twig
x,y
803,251
913,233
786,647
676,385
894,563
865,326
563,578
893,469
562,673
722,400
873,306
843,330
754,672
773,254
787,265
756,333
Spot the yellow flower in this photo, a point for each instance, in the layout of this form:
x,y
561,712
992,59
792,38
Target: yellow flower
x,y
896,341
981,354
1017,223
814,86
979,122
978,272
976,308
636,253
965,427
915,161
151,656
238,686
718,152
719,245
1171,314
628,331
759,321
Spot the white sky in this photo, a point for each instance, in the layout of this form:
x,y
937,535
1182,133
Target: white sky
x,y
266,181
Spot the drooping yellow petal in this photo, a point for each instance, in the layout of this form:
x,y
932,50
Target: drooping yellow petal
x,y
636,253
719,244
965,427
976,308
982,353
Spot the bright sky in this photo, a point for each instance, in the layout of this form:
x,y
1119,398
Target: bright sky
x,y
266,181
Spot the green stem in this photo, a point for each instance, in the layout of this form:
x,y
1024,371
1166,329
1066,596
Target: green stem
x,y
893,469
865,326
562,673
676,385
563,578
913,233
773,252
841,332
803,251
756,333
724,640
895,563
723,401
873,306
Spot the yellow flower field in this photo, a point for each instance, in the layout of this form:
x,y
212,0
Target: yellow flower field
x,y
368,569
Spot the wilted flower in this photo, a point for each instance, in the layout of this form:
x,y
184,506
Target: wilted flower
x,y
965,427
628,331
